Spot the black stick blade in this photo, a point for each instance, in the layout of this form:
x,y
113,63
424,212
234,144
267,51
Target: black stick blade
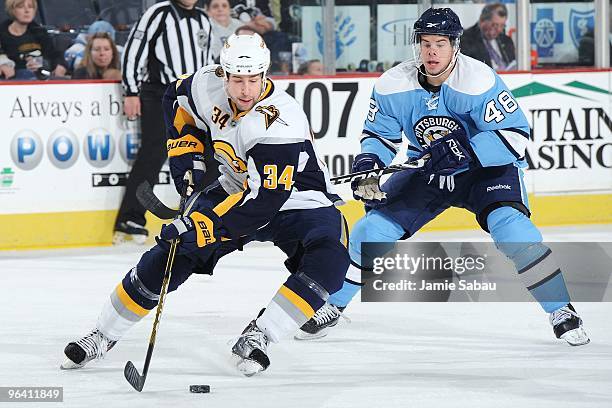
x,y
133,377
149,200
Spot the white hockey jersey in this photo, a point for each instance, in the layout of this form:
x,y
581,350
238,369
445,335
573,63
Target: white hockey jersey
x,y
266,155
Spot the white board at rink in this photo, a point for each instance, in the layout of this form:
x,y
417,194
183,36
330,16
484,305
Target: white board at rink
x,y
66,146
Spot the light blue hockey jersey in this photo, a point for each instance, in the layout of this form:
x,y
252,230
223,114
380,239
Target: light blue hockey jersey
x,y
473,97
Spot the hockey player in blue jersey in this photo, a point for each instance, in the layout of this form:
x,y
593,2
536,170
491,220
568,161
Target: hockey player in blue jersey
x,y
457,113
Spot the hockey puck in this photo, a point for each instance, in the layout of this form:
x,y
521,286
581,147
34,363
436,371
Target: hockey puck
x,y
199,388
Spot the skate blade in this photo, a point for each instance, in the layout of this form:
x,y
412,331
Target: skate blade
x,y
302,335
120,238
68,364
576,337
247,367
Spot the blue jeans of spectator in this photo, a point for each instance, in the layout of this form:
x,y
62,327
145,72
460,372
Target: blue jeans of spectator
x,y
23,74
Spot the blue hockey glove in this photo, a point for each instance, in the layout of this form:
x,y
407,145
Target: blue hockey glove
x,y
187,153
448,154
368,189
195,231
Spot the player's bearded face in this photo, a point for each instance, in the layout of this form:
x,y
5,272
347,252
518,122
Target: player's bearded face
x,y
436,53
244,90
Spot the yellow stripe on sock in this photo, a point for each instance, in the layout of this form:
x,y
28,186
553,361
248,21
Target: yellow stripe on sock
x,y
129,303
297,301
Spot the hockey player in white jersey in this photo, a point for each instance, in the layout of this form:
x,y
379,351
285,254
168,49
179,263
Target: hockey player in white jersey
x,y
457,112
273,187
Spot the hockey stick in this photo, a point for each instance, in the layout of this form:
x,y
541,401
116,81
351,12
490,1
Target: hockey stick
x,y
148,199
394,168
130,371
146,196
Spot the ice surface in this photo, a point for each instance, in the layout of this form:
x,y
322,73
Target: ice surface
x,y
391,355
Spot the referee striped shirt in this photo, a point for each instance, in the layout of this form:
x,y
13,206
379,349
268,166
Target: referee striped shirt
x,y
167,41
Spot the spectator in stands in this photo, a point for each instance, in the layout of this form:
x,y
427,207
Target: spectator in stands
x,y
100,56
257,15
74,54
7,66
223,24
486,40
27,43
245,30
586,48
311,67
363,66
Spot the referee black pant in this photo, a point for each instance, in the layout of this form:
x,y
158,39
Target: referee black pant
x,y
151,155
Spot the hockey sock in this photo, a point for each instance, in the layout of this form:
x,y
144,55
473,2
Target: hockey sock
x,y
517,237
293,305
373,227
119,314
343,297
349,288
277,323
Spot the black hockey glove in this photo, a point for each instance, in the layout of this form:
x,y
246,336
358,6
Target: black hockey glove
x,y
195,231
448,154
187,153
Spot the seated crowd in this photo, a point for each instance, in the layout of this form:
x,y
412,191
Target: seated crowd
x,y
28,51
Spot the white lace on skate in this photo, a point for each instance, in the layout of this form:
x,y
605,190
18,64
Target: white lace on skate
x,y
95,344
325,318
250,340
574,337
327,313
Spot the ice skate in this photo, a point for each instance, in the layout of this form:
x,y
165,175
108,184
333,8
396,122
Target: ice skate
x,y
250,350
567,325
130,231
319,325
93,346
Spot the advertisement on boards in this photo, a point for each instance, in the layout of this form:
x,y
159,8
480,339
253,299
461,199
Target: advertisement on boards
x,y
68,147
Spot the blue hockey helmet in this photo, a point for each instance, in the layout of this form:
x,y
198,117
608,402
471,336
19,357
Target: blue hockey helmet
x,y
436,21
439,21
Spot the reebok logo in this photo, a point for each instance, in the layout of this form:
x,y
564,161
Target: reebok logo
x,y
452,143
498,187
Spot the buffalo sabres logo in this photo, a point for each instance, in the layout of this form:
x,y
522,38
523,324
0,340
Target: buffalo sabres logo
x,y
270,115
227,152
430,128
